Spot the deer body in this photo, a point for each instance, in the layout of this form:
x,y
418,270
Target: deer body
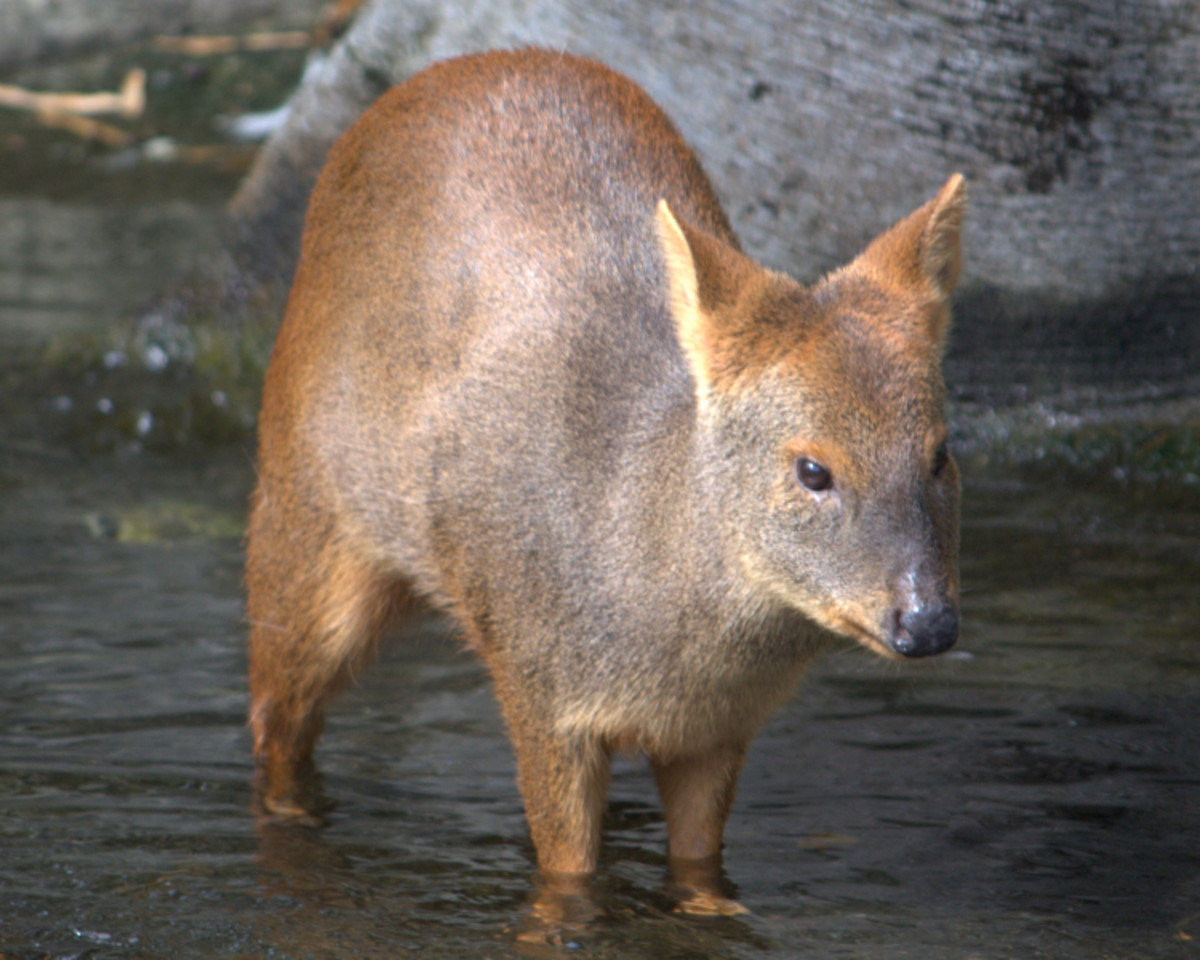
x,y
527,376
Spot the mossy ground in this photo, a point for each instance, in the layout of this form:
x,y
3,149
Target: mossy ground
x,y
1144,445
126,391
174,386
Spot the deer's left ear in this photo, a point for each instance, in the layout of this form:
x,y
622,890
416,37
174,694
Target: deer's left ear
x,y
919,260
940,246
922,252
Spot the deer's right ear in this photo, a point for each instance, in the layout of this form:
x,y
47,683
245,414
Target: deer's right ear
x,y
683,291
706,280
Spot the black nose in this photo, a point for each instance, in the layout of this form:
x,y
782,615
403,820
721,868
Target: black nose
x,y
924,631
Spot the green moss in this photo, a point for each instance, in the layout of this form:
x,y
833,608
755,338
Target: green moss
x,y
1157,448
162,388
166,521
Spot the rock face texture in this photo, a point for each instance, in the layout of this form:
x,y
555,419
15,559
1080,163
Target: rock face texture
x,y
1076,123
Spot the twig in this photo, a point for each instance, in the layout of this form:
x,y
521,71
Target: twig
x,y
129,101
330,23
223,156
334,19
210,46
85,127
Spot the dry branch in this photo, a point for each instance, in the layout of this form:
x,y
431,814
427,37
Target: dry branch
x,y
330,24
129,101
85,127
210,46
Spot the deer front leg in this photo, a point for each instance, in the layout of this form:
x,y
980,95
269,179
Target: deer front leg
x,y
697,793
563,781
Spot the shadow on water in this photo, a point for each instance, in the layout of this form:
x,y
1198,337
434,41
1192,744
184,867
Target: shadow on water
x,y
1031,794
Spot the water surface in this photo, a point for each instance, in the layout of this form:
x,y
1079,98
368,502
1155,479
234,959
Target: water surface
x,y
1032,794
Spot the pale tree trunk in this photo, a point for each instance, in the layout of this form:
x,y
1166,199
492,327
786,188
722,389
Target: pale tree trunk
x,y
1076,122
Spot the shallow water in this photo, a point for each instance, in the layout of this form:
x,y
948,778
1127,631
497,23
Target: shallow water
x,y
1031,794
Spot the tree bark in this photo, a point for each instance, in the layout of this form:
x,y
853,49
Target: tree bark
x,y
1076,123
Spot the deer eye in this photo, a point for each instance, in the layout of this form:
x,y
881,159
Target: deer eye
x,y
941,457
812,476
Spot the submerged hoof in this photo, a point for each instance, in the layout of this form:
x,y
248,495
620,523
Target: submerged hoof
x,y
703,903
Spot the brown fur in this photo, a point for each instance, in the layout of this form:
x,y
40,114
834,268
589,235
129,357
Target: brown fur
x,y
527,376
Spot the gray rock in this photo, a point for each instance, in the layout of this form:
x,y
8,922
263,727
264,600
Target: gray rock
x,y
1076,122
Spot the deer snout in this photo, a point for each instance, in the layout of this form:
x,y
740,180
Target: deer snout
x,y
924,630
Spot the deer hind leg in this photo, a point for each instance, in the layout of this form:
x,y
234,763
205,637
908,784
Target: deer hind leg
x,y
318,607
